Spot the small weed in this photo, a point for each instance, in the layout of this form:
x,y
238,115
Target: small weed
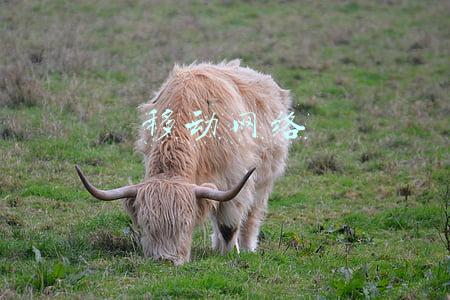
x,y
36,56
405,191
44,274
346,234
368,156
14,201
347,60
300,245
353,284
444,227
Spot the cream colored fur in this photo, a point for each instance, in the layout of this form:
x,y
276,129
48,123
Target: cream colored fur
x,y
165,208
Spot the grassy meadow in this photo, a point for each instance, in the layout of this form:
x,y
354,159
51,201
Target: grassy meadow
x,y
360,212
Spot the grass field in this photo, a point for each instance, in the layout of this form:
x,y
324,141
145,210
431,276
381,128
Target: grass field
x,y
360,212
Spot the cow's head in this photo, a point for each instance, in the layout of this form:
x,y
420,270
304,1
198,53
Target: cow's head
x,y
166,211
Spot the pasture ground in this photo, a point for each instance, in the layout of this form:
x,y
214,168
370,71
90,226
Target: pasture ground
x,y
359,212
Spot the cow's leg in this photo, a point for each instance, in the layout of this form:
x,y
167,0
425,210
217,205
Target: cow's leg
x,y
226,223
130,208
248,238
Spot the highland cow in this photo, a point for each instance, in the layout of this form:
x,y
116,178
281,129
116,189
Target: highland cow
x,y
188,178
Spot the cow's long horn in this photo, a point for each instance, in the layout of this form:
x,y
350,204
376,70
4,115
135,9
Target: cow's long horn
x,y
222,196
129,191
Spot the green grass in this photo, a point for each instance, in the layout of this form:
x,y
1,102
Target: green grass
x,y
369,80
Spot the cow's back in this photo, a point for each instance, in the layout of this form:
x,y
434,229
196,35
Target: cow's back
x,y
225,91
233,153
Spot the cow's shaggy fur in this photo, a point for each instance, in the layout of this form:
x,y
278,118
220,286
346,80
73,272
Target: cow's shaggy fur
x,y
166,209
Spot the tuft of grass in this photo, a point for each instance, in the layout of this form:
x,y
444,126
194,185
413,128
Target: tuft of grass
x,y
323,163
9,133
106,240
45,274
19,87
10,219
368,156
111,138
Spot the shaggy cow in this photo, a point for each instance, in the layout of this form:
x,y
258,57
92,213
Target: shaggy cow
x,y
188,177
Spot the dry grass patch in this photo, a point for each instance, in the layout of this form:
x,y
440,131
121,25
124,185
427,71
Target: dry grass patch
x,y
323,163
19,86
108,241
